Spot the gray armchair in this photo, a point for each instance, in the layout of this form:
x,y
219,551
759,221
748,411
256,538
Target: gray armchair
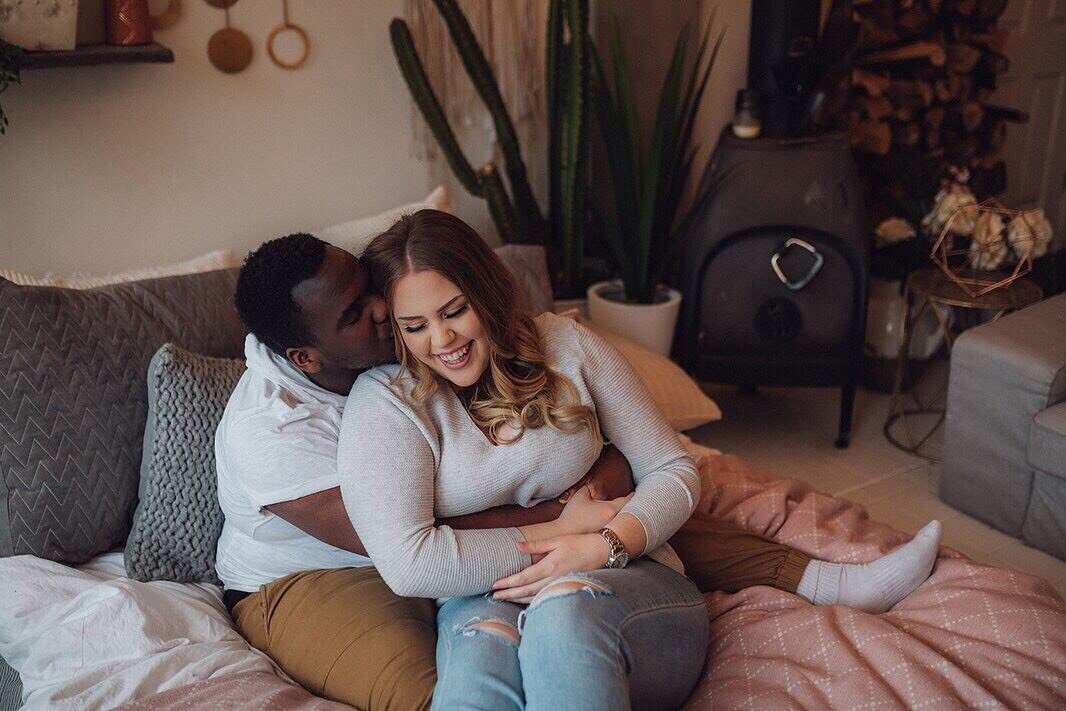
x,y
1005,436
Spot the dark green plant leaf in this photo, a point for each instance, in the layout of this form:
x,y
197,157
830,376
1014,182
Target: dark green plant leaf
x,y
480,73
643,228
554,69
403,45
10,65
619,151
627,102
660,157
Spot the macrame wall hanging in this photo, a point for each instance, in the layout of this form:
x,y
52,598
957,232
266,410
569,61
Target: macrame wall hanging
x,y
512,34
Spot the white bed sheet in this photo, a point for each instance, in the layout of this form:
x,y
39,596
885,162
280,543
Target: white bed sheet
x,y
89,637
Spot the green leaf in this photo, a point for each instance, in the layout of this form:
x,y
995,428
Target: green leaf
x,y
403,45
554,71
477,67
10,63
574,158
500,207
660,156
620,221
694,101
627,102
662,251
647,188
625,194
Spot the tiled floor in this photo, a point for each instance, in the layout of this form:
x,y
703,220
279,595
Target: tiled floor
x,y
789,432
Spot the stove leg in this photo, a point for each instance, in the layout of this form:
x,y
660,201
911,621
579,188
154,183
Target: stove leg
x,y
847,405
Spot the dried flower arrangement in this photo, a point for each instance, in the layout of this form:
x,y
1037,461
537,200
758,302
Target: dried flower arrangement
x,y
1002,245
971,238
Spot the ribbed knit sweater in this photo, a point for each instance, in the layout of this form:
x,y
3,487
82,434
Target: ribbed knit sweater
x,y
403,463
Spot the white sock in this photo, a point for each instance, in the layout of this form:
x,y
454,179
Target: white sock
x,y
877,586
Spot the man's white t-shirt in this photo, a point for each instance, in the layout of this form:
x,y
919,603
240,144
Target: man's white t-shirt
x,y
277,441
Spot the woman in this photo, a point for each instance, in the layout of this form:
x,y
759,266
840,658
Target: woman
x,y
490,407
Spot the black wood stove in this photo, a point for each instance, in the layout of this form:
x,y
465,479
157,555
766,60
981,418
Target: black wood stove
x,y
774,272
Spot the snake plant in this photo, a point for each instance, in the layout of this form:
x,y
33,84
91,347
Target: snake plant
x,y
641,224
10,59
516,212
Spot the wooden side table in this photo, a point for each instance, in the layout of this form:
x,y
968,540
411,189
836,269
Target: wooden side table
x,y
931,286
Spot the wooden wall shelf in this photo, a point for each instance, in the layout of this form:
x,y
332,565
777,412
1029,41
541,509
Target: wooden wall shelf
x,y
98,54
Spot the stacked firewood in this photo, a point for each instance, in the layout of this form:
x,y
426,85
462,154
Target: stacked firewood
x,y
919,92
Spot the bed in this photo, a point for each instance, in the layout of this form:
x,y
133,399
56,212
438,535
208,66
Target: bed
x,y
90,637
972,636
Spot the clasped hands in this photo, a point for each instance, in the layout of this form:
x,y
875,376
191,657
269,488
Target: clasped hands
x,y
572,542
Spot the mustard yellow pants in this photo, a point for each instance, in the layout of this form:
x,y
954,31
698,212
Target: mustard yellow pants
x,y
342,634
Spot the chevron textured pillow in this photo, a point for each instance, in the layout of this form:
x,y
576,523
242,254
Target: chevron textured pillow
x,y
10,687
178,520
73,401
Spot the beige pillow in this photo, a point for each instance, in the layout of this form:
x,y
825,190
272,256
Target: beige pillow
x,y
212,261
684,405
356,234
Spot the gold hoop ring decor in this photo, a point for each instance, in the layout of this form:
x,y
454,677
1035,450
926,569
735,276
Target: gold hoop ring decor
x,y
166,18
303,36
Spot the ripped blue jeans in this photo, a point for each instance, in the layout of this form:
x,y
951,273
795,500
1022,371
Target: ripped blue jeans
x,y
609,639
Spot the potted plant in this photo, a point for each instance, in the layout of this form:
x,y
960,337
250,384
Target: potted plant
x,y
641,224
10,59
515,211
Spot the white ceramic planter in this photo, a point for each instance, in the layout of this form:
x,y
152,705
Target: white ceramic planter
x,y
650,325
884,318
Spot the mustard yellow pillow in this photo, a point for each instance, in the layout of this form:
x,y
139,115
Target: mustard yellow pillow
x,y
684,405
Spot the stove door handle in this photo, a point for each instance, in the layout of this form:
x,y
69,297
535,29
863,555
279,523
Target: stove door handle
x,y
819,260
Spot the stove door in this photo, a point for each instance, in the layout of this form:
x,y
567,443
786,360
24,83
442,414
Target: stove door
x,y
775,303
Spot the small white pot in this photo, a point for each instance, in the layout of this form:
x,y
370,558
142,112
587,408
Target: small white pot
x,y
650,325
884,318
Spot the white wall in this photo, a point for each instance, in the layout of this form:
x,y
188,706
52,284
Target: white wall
x,y
730,71
114,166
110,167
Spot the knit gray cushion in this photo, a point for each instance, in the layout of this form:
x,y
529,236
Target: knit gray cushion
x,y
73,403
178,521
10,687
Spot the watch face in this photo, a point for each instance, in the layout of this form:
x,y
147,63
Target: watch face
x,y
623,560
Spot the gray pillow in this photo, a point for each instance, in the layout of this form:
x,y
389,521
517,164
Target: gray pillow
x,y
10,687
178,521
73,401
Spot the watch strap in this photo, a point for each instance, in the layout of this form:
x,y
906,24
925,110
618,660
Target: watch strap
x,y
618,549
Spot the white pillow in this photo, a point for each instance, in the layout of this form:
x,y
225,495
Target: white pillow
x,y
212,261
89,637
356,234
680,398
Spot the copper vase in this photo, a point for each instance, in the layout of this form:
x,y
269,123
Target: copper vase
x,y
127,22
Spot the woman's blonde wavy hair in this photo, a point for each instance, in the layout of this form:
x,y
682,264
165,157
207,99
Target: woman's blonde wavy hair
x,y
518,389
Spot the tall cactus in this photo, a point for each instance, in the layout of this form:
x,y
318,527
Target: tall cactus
x,y
516,213
10,60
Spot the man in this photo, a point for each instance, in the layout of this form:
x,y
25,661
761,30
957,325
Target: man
x,y
298,583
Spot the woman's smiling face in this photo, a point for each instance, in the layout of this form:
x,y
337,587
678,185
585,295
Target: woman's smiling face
x,y
439,327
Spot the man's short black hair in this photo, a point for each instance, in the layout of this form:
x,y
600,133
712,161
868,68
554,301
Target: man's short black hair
x,y
264,289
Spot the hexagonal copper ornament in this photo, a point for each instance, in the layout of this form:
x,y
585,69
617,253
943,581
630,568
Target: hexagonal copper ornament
x,y
977,282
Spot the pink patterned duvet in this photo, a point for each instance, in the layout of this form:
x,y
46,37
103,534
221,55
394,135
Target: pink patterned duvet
x,y
971,636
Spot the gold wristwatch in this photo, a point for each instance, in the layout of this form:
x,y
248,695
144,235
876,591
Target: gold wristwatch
x,y
619,558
